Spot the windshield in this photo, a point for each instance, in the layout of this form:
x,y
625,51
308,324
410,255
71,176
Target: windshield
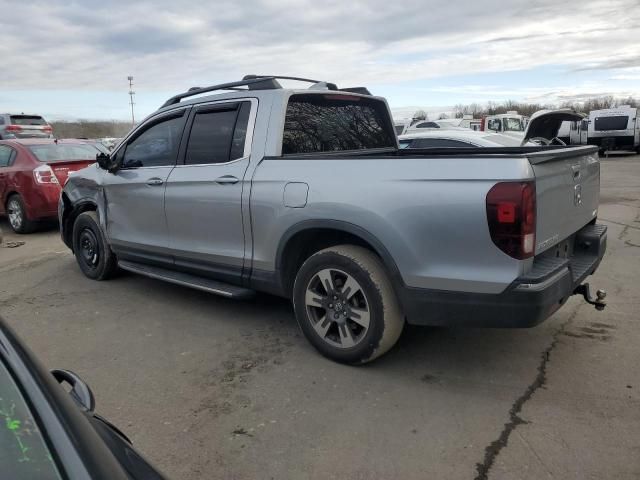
x,y
330,123
23,451
513,125
62,152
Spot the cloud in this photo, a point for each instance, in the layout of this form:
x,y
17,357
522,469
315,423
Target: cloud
x,y
171,45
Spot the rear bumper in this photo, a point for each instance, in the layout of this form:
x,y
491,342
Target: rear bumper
x,y
528,301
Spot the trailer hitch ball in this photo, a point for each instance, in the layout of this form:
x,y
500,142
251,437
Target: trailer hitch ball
x,y
599,301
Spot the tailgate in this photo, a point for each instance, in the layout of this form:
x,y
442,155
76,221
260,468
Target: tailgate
x,y
567,193
62,169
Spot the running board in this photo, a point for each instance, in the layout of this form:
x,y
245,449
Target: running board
x,y
187,280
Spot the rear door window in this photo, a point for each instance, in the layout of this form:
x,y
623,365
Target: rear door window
x,y
316,123
5,156
218,134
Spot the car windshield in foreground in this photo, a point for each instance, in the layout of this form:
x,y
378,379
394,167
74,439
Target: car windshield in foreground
x,y
27,120
513,125
62,152
23,451
334,122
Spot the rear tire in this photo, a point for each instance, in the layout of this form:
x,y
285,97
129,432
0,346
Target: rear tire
x,y
17,214
345,304
92,252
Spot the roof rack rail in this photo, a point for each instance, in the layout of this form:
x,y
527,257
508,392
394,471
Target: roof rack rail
x,y
257,83
260,82
330,86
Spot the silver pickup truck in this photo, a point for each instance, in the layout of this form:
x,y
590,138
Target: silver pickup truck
x,y
304,193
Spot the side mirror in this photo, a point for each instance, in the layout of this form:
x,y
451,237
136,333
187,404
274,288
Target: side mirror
x,y
105,162
80,391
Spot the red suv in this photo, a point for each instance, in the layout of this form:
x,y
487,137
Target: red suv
x,y
32,173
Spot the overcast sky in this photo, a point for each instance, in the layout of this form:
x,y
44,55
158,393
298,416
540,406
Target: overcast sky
x,y
71,59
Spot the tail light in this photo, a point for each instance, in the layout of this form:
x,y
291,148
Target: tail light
x,y
44,175
13,128
511,214
47,128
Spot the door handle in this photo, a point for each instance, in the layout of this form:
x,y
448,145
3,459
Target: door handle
x,y
226,179
155,181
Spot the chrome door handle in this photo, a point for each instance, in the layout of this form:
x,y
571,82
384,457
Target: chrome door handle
x,y
155,181
226,179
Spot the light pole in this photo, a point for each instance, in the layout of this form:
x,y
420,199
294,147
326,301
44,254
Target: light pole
x,y
131,94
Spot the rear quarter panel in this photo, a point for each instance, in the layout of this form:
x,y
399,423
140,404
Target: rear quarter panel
x,y
429,213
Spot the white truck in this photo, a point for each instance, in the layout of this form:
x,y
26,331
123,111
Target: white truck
x,y
615,129
510,123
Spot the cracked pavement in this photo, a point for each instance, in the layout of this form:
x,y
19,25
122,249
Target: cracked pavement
x,y
212,388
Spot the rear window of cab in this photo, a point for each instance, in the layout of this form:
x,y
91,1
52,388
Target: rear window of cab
x,y
316,123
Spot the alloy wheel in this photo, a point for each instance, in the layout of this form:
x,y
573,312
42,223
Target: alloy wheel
x,y
15,214
337,308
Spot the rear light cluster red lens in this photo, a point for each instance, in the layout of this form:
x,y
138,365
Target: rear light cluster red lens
x,y
47,128
13,128
511,214
44,175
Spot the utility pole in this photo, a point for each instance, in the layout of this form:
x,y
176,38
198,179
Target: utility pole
x,y
131,94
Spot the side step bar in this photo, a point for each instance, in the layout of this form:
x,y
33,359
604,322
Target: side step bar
x,y
187,280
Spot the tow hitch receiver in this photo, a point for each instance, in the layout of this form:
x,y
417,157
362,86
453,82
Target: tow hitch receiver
x,y
599,302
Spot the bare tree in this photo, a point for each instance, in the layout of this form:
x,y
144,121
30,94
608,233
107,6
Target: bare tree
x,y
523,108
90,129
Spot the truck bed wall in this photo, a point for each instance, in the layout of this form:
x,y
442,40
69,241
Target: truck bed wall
x,y
427,212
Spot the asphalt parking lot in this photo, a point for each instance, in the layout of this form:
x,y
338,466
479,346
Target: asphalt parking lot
x,y
218,389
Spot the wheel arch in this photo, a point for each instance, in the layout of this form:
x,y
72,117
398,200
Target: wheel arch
x,y
304,239
7,196
70,212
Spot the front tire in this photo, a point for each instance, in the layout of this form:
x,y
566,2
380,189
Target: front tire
x,y
92,252
345,304
17,214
